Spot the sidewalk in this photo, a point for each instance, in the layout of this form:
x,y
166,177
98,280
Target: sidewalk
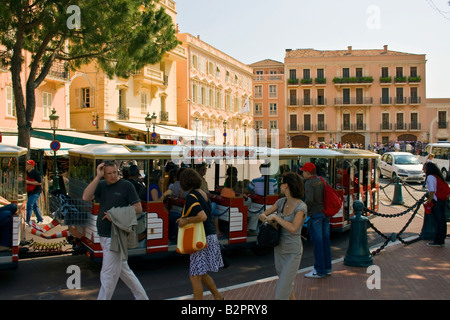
x,y
413,272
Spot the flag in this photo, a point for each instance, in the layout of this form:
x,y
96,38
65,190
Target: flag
x,y
246,107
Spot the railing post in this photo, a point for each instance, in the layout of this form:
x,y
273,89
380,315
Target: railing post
x,y
358,254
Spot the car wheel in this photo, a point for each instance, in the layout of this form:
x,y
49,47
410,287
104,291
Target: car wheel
x,y
394,176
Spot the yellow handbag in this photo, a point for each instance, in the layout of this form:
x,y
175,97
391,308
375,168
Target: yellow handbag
x,y
191,237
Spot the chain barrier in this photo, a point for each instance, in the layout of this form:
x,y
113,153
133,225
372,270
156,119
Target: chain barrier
x,y
395,236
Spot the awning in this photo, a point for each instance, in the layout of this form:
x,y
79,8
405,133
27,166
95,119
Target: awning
x,y
42,144
164,131
78,138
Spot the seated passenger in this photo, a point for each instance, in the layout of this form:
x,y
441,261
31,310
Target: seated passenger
x,y
153,190
6,213
256,186
230,183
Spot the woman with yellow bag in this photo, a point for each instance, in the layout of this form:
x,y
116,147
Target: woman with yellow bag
x,y
197,208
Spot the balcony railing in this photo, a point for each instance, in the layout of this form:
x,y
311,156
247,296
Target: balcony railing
x,y
123,113
353,100
415,100
164,116
293,127
400,100
400,126
443,125
415,126
293,101
385,126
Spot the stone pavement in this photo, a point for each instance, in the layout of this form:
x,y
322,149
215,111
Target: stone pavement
x,y
407,272
412,272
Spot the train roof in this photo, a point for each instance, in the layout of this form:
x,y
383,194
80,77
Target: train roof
x,y
326,153
7,150
182,152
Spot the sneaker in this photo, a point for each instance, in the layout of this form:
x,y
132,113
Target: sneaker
x,y
313,274
434,244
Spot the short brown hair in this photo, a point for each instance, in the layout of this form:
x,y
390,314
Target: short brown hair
x,y
190,179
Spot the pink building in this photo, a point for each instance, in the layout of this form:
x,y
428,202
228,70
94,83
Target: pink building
x,y
269,100
355,96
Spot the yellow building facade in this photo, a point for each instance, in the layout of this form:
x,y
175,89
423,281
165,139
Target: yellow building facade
x,y
213,89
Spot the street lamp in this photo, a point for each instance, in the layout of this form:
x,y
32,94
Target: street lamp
x,y
153,121
148,124
196,130
224,132
54,122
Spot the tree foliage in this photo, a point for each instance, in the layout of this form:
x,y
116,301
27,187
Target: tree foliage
x,y
120,35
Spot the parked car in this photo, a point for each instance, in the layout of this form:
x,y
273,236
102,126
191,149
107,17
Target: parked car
x,y
404,165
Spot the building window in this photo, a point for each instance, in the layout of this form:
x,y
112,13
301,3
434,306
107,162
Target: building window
x,y
360,121
413,71
359,72
258,109
442,120
346,122
273,124
414,121
258,92
144,102
385,125
399,98
292,74
47,101
385,96
385,72
293,126
307,122
321,97
10,102
273,91
258,125
273,109
320,73
306,74
321,122
399,72
83,97
400,122
307,97
345,72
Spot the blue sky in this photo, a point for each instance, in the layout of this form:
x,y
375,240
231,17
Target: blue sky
x,y
254,30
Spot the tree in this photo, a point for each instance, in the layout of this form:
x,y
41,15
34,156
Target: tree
x,y
120,35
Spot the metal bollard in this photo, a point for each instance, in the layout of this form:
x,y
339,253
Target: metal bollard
x,y
398,196
358,254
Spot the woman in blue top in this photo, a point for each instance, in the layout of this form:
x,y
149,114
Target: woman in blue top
x,y
153,191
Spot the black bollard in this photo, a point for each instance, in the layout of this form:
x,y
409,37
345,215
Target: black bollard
x,y
358,254
398,196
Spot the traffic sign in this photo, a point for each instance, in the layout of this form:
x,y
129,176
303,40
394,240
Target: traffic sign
x,y
55,145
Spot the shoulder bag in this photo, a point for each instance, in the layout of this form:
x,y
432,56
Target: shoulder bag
x,y
191,237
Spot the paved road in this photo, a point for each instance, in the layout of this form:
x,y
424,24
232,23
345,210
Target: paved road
x,y
166,276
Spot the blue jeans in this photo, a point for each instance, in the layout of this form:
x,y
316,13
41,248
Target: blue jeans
x,y
32,205
6,213
319,230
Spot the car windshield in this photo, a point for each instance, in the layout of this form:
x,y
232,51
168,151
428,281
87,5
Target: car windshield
x,y
406,159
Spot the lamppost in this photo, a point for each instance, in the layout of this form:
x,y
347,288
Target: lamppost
x,y
224,132
54,122
148,124
153,121
196,130
245,134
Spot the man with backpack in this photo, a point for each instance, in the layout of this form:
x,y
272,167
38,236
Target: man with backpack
x,y
318,224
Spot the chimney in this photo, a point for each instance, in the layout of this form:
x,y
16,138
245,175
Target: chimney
x,y
385,47
349,49
198,37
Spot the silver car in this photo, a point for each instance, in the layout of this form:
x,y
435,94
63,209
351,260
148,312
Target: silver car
x,y
404,165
